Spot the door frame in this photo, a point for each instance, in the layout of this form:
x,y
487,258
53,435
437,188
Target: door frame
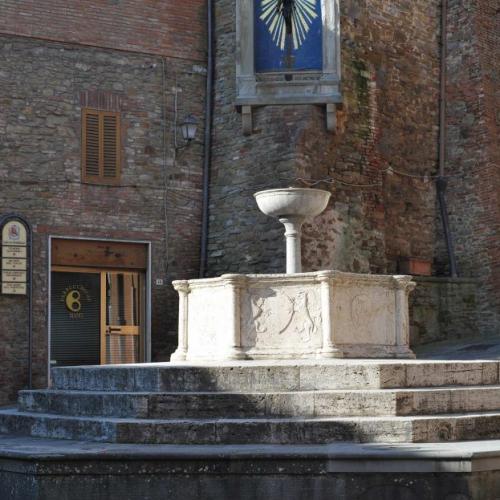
x,y
148,286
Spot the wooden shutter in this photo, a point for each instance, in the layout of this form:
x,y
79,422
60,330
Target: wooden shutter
x,y
100,146
110,140
90,144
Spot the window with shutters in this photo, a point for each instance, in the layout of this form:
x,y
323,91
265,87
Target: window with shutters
x,y
100,146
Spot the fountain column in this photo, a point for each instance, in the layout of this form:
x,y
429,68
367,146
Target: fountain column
x,y
183,288
292,206
293,235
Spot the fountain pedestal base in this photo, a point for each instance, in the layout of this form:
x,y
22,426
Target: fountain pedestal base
x,y
326,314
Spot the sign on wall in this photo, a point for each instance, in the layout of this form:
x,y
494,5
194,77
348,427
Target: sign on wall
x,y
14,257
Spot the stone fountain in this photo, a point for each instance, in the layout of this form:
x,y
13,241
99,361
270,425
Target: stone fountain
x,y
310,423
292,206
324,314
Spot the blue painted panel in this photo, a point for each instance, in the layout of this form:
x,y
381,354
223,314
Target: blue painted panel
x,y
276,49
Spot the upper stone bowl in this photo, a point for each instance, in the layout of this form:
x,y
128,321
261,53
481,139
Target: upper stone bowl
x,y
301,202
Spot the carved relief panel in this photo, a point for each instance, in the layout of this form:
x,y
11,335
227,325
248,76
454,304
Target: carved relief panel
x,y
368,311
283,317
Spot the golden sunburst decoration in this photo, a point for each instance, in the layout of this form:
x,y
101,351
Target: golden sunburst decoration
x,y
301,14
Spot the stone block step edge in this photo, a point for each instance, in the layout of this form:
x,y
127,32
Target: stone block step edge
x,y
381,402
246,431
55,455
263,378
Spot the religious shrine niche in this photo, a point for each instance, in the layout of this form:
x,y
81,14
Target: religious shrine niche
x,y
288,52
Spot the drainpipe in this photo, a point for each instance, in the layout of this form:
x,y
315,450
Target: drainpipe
x,y
441,180
208,138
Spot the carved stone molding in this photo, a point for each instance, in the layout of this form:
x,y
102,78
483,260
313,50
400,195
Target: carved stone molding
x,y
181,352
326,314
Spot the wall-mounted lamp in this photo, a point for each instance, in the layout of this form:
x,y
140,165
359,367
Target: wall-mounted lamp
x,y
188,128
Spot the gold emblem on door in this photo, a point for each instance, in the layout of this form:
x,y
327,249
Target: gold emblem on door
x,y
73,303
74,297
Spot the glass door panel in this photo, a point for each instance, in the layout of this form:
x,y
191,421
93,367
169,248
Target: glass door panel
x,y
123,318
75,310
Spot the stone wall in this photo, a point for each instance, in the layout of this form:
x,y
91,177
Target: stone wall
x,y
382,158
390,65
473,103
443,309
323,474
40,168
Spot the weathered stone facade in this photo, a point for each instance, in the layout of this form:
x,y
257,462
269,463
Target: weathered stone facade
x,y
292,477
473,104
390,68
443,309
40,125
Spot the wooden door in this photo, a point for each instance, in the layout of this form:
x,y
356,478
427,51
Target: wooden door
x,y
122,320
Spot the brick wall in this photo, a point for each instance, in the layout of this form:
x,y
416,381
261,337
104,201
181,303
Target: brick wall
x,y
173,28
390,65
13,348
473,105
40,126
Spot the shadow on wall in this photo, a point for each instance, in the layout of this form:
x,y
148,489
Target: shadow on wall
x,y
443,309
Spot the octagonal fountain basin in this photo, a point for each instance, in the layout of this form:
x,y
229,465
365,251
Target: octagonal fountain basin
x,y
301,202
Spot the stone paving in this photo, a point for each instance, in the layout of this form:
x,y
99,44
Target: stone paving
x,y
464,349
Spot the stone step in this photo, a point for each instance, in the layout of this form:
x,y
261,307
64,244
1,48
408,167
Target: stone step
x,y
422,401
256,376
464,427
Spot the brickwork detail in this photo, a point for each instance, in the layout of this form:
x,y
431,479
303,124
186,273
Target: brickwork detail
x,y
40,119
174,29
473,105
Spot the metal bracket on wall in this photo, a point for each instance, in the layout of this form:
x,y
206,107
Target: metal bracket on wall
x,y
247,121
331,117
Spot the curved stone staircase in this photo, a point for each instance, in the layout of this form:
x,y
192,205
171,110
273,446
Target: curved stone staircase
x,y
287,402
